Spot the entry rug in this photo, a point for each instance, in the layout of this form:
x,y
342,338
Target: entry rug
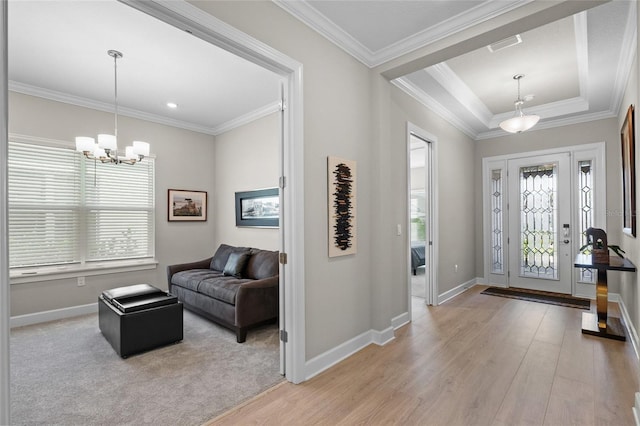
x,y
539,296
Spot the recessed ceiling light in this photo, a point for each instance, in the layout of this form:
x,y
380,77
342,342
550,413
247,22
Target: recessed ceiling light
x,y
172,105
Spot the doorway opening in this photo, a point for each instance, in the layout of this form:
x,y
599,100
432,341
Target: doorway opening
x,y
538,206
421,208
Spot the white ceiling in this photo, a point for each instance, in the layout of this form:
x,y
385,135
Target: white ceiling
x,y
58,50
575,68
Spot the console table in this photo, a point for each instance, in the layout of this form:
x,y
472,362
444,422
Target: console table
x,y
600,324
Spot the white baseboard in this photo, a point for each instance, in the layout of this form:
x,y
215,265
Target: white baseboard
x,y
383,337
56,314
631,330
450,294
400,320
320,363
636,409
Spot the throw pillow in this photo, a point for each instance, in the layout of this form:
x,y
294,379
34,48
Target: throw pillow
x,y
235,264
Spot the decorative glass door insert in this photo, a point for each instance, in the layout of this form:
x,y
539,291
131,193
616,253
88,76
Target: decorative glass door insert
x,y
540,255
538,221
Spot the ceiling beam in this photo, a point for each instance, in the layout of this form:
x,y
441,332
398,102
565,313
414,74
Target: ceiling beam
x,y
529,16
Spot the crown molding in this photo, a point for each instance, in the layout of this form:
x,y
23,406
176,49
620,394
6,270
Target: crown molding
x,y
53,95
419,95
561,122
247,118
627,56
552,109
450,81
328,29
321,24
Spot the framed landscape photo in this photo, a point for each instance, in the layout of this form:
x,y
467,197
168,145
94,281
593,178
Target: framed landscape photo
x,y
187,206
628,174
259,208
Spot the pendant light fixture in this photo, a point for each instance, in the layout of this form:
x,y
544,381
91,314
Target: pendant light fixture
x,y
520,122
106,150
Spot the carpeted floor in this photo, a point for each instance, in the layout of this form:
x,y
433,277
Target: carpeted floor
x,y
66,373
539,296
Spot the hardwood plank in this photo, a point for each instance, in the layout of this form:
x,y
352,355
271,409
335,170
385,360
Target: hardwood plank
x,y
475,360
570,403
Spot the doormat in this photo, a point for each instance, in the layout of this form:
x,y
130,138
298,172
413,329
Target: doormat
x,y
539,296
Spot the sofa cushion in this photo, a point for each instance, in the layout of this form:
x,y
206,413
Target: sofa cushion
x,y
262,264
221,257
235,264
222,288
191,278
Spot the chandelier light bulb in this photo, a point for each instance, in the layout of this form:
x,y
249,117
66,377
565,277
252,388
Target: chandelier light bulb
x,y
106,149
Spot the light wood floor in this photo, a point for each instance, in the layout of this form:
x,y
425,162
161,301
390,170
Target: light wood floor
x,y
475,360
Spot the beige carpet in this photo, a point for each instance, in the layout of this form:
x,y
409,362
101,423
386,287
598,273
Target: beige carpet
x,y
66,373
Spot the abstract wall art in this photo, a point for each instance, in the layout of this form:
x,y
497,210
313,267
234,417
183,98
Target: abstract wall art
x,y
341,175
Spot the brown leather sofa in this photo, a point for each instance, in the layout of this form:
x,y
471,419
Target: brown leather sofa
x,y
236,288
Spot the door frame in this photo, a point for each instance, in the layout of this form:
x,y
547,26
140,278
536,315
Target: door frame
x,y
201,24
596,152
431,193
207,27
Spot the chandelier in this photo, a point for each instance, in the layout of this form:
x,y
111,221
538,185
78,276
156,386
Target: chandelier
x,y
106,149
520,122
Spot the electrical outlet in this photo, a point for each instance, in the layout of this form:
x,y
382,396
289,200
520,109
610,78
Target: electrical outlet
x,y
399,230
455,268
81,281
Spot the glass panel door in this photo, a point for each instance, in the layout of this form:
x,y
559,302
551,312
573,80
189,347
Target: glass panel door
x,y
539,211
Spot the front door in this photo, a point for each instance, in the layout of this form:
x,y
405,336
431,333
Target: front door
x,y
539,210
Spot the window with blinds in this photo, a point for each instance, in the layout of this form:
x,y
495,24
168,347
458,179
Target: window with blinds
x,y
64,209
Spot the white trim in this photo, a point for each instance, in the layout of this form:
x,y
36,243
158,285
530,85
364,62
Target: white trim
x,y
211,29
317,21
582,52
5,295
456,291
628,45
457,88
631,330
567,121
563,107
383,337
598,150
246,118
432,193
400,320
423,98
30,275
636,409
328,359
141,115
53,315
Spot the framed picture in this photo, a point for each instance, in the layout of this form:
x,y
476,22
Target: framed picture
x,y
628,174
341,177
187,206
260,208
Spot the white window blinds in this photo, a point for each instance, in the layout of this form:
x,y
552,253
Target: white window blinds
x,y
64,209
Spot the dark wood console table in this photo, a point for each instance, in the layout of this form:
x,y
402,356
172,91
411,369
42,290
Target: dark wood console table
x,y
600,324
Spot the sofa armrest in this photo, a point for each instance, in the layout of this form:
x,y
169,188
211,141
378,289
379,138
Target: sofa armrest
x,y
257,301
200,264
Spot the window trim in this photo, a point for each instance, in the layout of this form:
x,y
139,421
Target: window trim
x,y
20,275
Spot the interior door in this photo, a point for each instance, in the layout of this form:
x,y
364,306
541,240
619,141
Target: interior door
x,y
539,216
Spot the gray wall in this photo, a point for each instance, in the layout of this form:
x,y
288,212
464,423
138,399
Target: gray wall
x,y
183,161
247,158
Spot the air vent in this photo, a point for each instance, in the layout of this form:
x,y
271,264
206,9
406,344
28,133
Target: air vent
x,y
503,44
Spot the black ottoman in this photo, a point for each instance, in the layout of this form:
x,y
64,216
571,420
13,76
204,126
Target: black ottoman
x,y
138,318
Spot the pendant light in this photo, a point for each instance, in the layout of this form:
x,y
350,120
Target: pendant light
x,y
520,122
